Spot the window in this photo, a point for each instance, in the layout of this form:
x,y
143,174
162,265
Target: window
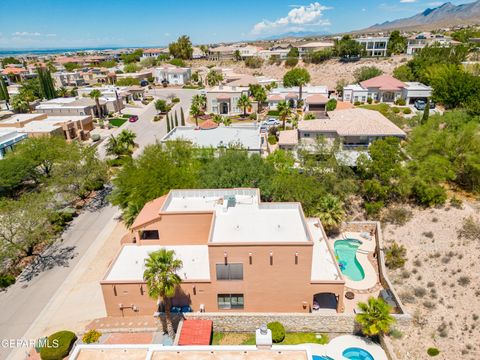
x,y
149,235
230,272
230,301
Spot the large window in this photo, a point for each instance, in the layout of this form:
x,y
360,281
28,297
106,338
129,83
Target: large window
x,y
150,235
230,301
230,272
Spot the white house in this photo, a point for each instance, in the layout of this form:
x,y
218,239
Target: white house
x,y
223,99
172,75
374,46
419,41
290,95
385,88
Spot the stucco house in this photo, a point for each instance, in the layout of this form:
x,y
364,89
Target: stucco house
x,y
385,88
314,98
223,100
234,251
172,75
374,46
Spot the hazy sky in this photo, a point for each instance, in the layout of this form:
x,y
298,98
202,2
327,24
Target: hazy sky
x,y
90,23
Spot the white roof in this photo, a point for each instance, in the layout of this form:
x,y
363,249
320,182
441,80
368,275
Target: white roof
x,y
355,87
130,263
39,126
417,86
306,90
323,262
317,44
246,136
16,118
246,220
10,135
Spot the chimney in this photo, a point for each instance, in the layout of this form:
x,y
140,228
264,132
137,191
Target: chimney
x,y
263,337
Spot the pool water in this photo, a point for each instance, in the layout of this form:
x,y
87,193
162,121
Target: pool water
x,y
357,354
319,357
346,254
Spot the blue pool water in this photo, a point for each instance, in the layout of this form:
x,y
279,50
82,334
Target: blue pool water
x,y
346,254
357,354
318,357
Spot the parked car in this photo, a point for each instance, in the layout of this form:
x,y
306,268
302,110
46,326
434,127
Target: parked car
x,y
263,129
420,104
133,118
144,83
271,122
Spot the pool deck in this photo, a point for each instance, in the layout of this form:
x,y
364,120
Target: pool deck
x,y
366,249
338,345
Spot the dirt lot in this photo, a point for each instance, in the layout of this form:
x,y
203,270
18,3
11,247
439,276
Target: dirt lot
x,y
327,73
440,283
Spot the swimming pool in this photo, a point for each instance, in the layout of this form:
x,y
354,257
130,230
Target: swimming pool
x,y
321,357
346,254
357,354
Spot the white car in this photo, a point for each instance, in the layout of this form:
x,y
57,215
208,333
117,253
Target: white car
x,y
271,122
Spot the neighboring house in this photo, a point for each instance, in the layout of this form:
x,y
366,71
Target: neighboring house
x,y
153,53
385,88
314,97
355,127
171,74
221,53
233,252
419,41
17,73
64,78
197,53
34,125
111,92
9,137
307,48
223,100
210,135
267,54
249,51
374,46
140,75
78,106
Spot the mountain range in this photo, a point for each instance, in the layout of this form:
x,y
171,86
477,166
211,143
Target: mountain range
x,y
445,15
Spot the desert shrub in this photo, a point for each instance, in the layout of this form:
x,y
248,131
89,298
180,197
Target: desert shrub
x,y
397,216
396,334
400,102
395,256
175,100
456,202
428,234
395,110
470,229
254,62
373,208
177,62
272,139
91,336
278,331
369,100
252,116
419,292
357,103
6,280
331,104
429,304
65,340
291,61
429,194
407,111
433,351
464,280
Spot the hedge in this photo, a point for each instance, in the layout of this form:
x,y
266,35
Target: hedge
x,y
59,347
6,280
278,331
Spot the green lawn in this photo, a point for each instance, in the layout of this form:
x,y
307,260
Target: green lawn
x,y
117,122
220,338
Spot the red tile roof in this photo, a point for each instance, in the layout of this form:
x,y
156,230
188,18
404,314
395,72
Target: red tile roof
x,y
207,125
13,70
196,332
383,82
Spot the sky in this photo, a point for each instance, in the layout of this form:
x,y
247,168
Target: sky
x,y
99,23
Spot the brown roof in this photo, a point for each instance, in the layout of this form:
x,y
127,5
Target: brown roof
x,y
149,212
244,81
13,70
383,82
288,137
292,95
316,99
344,105
275,97
208,124
353,122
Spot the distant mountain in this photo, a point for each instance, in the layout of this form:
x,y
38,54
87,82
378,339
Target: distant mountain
x,y
445,15
301,34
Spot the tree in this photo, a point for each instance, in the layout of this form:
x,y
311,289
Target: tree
x,y
426,112
132,57
200,100
182,117
375,318
395,256
195,112
284,111
182,48
128,81
177,62
121,145
161,106
95,95
47,89
70,66
20,104
291,62
14,170
293,52
3,90
131,68
317,57
296,77
397,44
236,55
366,72
330,212
63,92
331,104
169,128
244,102
254,62
161,277
403,73
176,119
347,48
259,94
214,77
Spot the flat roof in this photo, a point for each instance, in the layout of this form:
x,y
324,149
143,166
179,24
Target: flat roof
x,y
222,136
130,263
39,126
10,136
240,216
18,118
323,262
417,86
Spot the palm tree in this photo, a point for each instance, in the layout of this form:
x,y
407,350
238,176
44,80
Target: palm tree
x,y
95,95
217,119
195,112
227,121
375,318
113,147
127,140
62,92
200,101
214,77
244,102
284,111
160,274
20,104
330,212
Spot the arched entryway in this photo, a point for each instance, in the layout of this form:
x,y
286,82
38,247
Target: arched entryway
x,y
325,301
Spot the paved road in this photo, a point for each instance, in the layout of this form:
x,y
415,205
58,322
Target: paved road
x,y
23,301
148,131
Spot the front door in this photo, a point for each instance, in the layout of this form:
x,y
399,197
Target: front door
x,y
223,108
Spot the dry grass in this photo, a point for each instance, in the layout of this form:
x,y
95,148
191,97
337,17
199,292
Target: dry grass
x,y
442,290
